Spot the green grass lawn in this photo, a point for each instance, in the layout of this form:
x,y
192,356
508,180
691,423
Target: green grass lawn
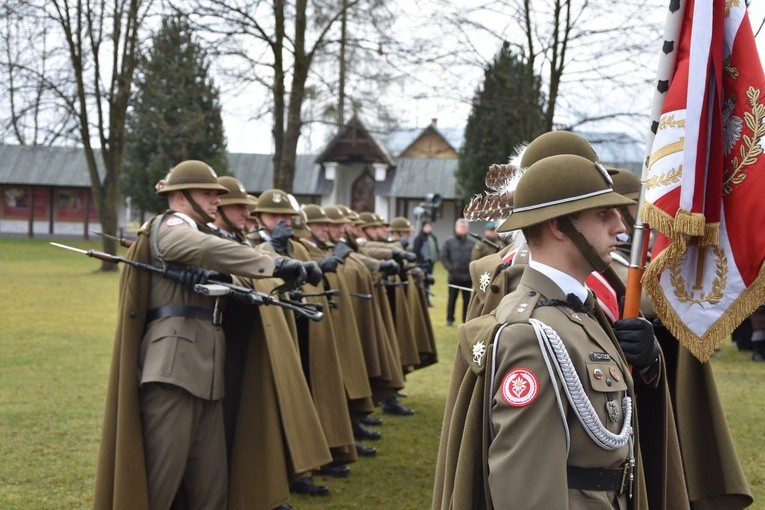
x,y
57,317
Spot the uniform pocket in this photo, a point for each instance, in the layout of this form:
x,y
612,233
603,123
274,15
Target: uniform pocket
x,y
165,340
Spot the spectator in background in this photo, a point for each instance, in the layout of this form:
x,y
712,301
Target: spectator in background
x,y
455,254
425,246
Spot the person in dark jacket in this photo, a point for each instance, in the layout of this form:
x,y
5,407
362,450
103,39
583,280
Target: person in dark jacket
x,y
455,254
425,246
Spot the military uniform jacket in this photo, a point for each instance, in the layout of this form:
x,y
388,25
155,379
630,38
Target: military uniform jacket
x,y
121,475
501,449
189,352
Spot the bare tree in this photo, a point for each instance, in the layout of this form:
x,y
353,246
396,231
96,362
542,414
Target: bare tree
x,y
101,39
297,50
592,56
32,90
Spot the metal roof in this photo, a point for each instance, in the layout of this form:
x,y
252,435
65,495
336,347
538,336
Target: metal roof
x,y
416,177
63,166
46,166
256,171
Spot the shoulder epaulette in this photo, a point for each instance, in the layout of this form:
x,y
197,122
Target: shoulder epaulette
x,y
517,307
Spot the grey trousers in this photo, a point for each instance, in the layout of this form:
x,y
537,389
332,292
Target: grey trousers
x,y
184,444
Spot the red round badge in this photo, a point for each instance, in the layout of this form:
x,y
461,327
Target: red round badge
x,y
520,387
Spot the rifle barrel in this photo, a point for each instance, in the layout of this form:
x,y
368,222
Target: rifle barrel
x,y
485,241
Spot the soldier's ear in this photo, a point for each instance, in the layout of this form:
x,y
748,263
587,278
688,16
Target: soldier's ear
x,y
554,227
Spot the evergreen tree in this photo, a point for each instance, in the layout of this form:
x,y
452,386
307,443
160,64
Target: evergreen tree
x,y
176,114
507,111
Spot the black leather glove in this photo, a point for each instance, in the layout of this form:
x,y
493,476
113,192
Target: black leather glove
x,y
280,237
400,256
389,267
341,250
291,271
637,341
314,272
190,276
329,264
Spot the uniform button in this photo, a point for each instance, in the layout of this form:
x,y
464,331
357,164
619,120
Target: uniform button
x,y
133,315
609,382
532,293
172,332
495,289
261,270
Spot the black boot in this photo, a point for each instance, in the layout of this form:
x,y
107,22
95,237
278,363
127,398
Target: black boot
x,y
306,486
391,405
361,431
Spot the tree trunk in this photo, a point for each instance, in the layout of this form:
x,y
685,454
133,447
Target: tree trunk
x,y
278,91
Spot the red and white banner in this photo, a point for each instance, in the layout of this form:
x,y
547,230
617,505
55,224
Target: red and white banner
x,y
705,181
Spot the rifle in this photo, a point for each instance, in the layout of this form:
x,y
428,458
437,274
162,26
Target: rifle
x,y
297,295
124,241
210,288
485,241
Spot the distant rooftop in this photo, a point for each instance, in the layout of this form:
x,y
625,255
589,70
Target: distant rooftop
x,y
400,139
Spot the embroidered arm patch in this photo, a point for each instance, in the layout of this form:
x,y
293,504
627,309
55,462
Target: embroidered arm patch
x,y
520,387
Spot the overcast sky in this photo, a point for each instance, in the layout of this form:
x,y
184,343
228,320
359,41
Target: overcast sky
x,y
254,136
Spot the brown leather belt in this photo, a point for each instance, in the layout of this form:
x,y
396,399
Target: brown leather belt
x,y
595,479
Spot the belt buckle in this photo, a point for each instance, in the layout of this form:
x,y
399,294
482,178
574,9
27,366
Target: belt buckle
x,y
628,477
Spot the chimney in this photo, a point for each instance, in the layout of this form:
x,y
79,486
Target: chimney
x,y
434,121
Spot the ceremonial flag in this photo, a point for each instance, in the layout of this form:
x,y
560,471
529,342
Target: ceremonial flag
x,y
705,179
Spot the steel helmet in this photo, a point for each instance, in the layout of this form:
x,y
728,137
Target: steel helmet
x,y
191,174
558,186
275,201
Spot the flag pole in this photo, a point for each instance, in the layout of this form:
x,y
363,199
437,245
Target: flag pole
x,y
641,231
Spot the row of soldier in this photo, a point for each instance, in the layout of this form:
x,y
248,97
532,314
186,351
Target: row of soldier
x,y
215,403
615,411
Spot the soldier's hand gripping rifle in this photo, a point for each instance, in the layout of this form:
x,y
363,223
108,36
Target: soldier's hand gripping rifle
x,y
203,282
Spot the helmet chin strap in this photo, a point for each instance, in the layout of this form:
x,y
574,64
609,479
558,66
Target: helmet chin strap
x,y
229,224
206,218
590,255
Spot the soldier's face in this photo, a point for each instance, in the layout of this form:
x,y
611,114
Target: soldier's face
x,y
269,220
237,214
320,231
336,231
600,227
207,199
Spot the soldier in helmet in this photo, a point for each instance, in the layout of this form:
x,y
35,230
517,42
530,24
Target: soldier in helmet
x,y
379,342
163,437
554,370
316,342
233,210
